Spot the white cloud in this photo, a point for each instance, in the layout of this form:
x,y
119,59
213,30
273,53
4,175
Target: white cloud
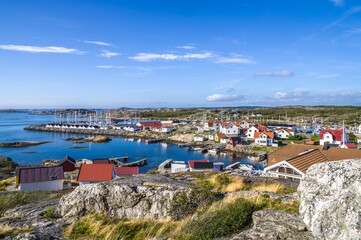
x,y
108,54
235,59
338,2
295,94
280,95
100,43
186,47
109,66
223,98
35,49
148,57
284,73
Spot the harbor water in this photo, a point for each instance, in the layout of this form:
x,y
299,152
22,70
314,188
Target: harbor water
x,y
12,129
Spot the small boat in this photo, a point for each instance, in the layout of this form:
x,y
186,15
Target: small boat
x,y
197,149
213,151
246,167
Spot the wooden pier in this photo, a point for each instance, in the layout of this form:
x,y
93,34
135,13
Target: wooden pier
x,y
138,163
158,140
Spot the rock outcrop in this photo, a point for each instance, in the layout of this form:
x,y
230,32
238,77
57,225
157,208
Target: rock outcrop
x,y
30,217
275,225
331,199
183,138
135,197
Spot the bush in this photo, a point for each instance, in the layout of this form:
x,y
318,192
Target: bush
x,y
184,204
5,183
264,201
220,222
50,213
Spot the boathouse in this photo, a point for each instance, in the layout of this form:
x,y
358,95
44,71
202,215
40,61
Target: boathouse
x,y
40,178
68,164
93,173
200,165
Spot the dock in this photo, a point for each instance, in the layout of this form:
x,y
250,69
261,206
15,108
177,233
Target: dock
x,y
158,140
232,166
138,163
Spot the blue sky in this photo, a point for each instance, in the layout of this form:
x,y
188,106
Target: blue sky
x,y
179,53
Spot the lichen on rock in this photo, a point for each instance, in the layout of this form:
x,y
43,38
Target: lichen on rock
x,y
331,199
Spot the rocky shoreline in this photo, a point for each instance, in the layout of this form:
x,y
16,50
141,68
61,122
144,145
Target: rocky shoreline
x,y
146,136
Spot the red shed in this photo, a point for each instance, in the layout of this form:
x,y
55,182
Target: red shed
x,y
68,164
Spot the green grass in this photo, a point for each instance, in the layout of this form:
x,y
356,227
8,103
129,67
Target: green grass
x,y
221,220
264,201
15,199
50,213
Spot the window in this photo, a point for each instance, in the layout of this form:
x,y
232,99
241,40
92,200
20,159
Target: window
x,y
52,178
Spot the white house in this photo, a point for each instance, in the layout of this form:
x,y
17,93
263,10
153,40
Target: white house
x,y
250,132
198,138
264,138
178,166
284,132
245,124
333,137
224,140
166,129
40,178
230,129
256,128
211,136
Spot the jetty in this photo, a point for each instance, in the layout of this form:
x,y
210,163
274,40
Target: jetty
x,y
158,140
138,163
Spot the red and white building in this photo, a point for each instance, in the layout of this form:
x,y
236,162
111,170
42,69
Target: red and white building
x,y
333,137
264,138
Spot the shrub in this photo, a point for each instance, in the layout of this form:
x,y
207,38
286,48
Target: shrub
x,y
220,220
50,212
5,183
184,204
264,201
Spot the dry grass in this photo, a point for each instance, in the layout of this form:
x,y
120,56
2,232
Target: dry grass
x,y
227,183
6,182
6,231
269,187
274,187
101,227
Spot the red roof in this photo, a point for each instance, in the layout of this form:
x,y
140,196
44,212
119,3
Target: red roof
x,y
351,145
269,134
261,128
336,134
101,161
191,162
95,172
127,170
157,124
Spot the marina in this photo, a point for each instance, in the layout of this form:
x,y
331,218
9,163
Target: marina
x,y
12,129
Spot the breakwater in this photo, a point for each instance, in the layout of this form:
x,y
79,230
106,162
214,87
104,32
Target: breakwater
x,y
105,132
